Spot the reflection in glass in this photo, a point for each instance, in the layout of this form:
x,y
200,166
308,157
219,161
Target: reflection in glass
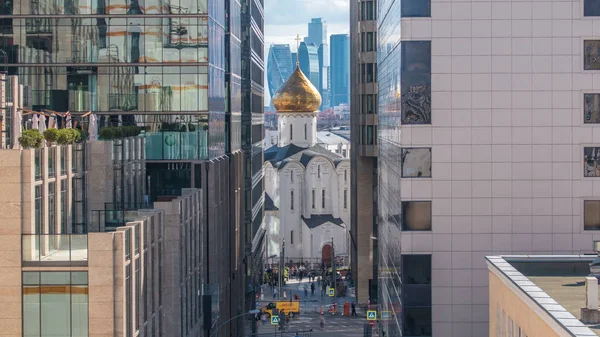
x,y
54,307
591,217
591,55
416,8
591,161
591,108
416,162
416,82
591,8
416,215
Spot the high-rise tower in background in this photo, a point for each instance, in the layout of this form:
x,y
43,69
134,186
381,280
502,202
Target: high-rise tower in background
x,y
489,116
339,69
324,80
308,56
317,32
363,119
280,64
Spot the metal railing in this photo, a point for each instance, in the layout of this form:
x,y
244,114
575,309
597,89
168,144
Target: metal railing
x,y
44,248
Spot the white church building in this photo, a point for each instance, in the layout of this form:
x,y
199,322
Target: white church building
x,y
307,187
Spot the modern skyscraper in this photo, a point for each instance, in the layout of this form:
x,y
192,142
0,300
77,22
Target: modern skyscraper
x,y
172,68
363,119
252,143
324,79
308,56
280,65
488,113
340,69
317,32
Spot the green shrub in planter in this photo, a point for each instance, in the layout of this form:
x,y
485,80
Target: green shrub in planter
x,y
68,136
31,139
51,135
109,133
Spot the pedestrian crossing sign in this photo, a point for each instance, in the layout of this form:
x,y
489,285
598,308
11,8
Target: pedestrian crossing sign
x,y
331,292
386,315
274,320
371,315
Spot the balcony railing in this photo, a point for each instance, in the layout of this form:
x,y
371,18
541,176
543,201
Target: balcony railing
x,y
49,248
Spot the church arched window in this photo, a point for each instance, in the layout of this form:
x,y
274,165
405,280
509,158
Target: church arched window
x,y
318,171
291,131
305,132
292,200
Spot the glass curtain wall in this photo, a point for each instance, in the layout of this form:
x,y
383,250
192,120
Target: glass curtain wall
x,y
55,304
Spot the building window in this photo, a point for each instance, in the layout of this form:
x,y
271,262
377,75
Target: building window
x,y
291,132
38,163
38,210
345,175
591,161
51,208
416,297
591,108
292,176
305,131
318,171
369,72
368,135
345,199
591,55
416,162
63,160
292,237
63,206
369,104
292,200
416,82
323,199
55,304
367,41
51,162
367,11
591,8
591,215
416,215
313,199
416,8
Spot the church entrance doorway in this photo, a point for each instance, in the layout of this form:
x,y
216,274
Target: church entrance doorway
x,y
326,254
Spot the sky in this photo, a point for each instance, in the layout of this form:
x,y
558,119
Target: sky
x,y
286,18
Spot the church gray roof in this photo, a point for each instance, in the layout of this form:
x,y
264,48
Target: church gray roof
x,y
317,220
279,156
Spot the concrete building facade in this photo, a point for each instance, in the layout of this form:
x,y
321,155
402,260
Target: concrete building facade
x,y
364,121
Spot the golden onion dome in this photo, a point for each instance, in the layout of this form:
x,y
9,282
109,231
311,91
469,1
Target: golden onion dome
x,y
297,94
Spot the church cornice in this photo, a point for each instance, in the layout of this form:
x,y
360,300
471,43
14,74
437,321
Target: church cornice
x,y
298,114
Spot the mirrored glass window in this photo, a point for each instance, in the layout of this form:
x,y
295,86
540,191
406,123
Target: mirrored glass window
x,y
591,161
591,108
416,82
416,8
416,162
591,55
416,215
591,8
591,217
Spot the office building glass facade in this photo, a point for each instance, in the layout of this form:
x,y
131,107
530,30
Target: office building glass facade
x,y
404,77
55,304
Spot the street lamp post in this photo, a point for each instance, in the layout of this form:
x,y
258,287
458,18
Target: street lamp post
x,y
281,265
333,269
251,312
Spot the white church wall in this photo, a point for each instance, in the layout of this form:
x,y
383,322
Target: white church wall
x,y
299,129
271,182
320,175
291,216
322,235
343,177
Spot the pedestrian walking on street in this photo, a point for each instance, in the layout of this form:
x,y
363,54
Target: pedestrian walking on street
x,y
274,293
322,321
353,308
312,289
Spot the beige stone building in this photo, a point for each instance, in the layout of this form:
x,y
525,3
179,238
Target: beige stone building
x,y
74,264
542,296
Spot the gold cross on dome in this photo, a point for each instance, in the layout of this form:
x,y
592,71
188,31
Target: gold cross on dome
x,y
298,39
